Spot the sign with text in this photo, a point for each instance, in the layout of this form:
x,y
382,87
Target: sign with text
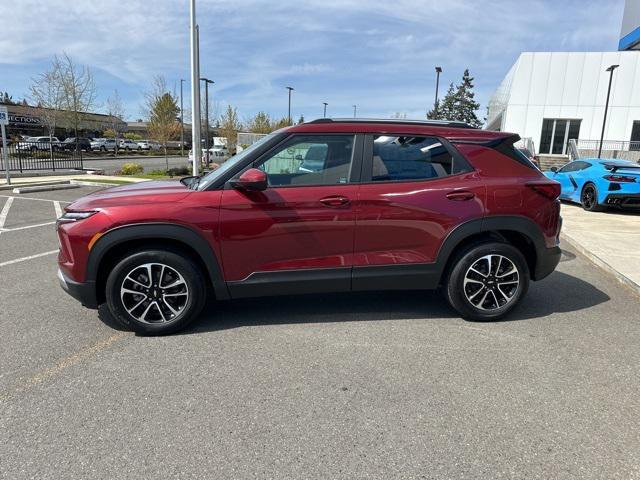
x,y
4,116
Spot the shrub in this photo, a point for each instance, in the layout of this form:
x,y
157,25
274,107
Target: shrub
x,y
179,171
132,168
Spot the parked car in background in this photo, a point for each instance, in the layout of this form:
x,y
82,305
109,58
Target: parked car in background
x,y
71,144
104,144
533,158
126,144
148,145
599,183
34,144
396,205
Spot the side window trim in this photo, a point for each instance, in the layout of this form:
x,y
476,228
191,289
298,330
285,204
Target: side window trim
x,y
460,164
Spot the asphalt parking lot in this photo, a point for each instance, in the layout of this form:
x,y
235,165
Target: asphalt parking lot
x,y
373,385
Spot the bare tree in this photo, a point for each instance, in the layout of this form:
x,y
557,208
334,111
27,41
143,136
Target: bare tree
x,y
115,110
162,110
48,96
78,88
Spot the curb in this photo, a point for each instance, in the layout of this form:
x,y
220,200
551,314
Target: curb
x,y
44,188
99,184
599,262
14,186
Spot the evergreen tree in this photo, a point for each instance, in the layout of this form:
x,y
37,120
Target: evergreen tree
x,y
301,119
447,108
466,106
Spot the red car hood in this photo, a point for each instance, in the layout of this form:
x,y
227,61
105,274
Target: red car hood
x,y
134,193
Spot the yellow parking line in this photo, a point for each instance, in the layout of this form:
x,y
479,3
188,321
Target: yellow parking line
x,y
62,365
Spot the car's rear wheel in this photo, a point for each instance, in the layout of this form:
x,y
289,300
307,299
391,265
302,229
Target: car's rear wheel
x,y
155,292
589,198
487,281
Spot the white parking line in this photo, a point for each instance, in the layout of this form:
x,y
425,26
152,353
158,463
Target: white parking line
x,y
30,257
58,208
5,211
26,227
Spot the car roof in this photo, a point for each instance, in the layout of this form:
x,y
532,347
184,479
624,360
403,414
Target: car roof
x,y
451,130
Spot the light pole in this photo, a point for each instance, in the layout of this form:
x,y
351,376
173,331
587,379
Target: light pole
x,y
206,115
435,104
289,114
195,90
606,106
355,110
181,119
324,115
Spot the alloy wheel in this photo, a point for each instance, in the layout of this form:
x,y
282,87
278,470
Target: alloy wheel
x,y
491,282
588,197
154,293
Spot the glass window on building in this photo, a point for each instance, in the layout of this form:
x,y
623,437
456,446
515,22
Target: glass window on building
x,y
635,136
556,133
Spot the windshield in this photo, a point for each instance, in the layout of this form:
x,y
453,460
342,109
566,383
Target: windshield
x,y
229,164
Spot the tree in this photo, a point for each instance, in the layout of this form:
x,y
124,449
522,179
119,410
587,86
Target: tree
x,y
301,119
78,88
132,136
260,123
6,98
458,103
283,122
466,105
109,133
163,111
229,126
115,110
399,115
47,94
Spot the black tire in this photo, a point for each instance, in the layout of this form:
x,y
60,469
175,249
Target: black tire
x,y
589,198
457,294
191,275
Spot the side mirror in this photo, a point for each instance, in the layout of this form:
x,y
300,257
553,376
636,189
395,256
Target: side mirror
x,y
252,180
554,169
186,181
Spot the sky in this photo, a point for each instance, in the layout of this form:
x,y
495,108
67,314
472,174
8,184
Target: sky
x,y
377,54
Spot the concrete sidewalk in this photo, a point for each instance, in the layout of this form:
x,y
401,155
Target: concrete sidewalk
x,y
28,181
610,239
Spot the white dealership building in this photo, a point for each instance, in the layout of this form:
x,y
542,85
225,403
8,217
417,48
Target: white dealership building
x,y
551,97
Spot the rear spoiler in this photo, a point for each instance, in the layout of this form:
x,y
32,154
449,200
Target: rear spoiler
x,y
615,167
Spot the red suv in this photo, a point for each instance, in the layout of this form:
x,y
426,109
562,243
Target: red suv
x,y
326,206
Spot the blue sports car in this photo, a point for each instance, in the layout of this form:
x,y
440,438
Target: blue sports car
x,y
599,183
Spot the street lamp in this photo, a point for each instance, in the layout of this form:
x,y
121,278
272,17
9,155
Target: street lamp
x,y
355,110
289,114
206,115
195,89
324,115
435,104
606,106
182,80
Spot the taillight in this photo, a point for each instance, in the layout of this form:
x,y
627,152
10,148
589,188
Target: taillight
x,y
547,189
620,178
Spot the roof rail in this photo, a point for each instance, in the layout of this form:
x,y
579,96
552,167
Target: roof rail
x,y
401,121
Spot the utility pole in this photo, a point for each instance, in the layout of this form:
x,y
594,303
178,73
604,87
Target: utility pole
x,y
606,106
195,91
181,119
206,116
289,115
324,115
355,110
435,104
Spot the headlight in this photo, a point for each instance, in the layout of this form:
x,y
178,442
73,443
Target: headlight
x,y
75,216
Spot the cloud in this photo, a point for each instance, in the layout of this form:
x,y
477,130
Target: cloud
x,y
377,54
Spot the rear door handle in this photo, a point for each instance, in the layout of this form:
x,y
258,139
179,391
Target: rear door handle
x,y
460,195
335,201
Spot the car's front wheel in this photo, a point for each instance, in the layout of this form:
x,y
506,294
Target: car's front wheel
x,y
155,292
487,281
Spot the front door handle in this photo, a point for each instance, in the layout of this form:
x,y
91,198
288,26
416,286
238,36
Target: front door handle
x,y
335,201
460,195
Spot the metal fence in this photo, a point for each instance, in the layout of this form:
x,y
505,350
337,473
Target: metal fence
x,y
31,156
618,149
